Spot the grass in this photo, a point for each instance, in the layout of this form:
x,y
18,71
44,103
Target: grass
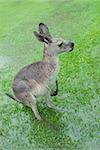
x,y
78,124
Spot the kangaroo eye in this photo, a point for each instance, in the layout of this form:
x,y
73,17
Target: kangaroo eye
x,y
60,44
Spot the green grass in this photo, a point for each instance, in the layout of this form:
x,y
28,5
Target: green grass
x,y
78,125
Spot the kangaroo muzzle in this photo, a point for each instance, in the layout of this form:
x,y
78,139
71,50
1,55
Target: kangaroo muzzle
x,y
71,45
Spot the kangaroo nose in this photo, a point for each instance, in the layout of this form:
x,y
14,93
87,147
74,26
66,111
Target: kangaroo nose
x,y
71,44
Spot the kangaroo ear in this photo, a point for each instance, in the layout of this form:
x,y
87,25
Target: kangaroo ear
x,y
42,37
43,29
39,36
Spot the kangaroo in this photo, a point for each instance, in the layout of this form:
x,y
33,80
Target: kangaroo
x,y
37,79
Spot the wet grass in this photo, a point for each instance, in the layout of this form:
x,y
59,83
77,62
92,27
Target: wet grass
x,y
77,126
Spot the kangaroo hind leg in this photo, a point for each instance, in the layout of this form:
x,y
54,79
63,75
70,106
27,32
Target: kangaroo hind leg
x,y
30,100
33,105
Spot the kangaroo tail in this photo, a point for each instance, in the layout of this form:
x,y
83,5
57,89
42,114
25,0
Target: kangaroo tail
x,y
9,95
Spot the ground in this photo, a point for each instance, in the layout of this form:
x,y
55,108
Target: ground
x,y
77,125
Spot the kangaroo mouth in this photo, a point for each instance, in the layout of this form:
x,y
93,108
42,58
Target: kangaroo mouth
x,y
71,49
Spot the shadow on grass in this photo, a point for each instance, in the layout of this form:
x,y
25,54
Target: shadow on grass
x,y
19,128
49,132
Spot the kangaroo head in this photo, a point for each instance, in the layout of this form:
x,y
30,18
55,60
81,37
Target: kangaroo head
x,y
52,46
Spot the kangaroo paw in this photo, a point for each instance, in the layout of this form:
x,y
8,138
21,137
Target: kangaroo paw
x,y
54,93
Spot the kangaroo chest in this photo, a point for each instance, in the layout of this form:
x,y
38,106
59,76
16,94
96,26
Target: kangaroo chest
x,y
56,66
